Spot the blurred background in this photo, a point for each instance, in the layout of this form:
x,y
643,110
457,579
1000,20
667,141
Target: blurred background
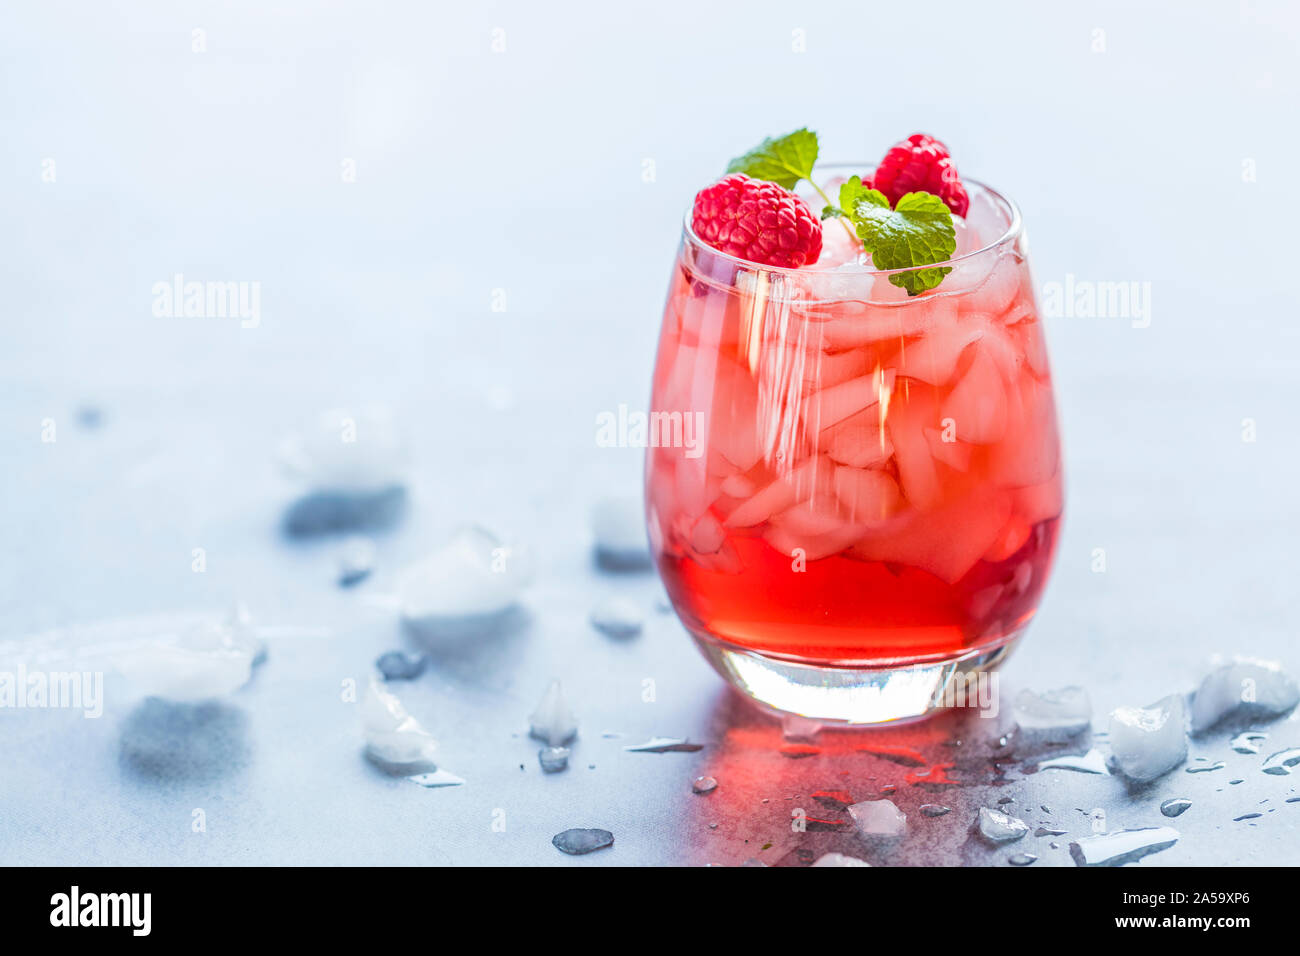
x,y
467,214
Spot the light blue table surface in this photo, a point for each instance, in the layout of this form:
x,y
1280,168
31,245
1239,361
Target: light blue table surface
x,y
526,171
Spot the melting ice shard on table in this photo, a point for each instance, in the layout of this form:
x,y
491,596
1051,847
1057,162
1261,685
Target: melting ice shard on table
x,y
1147,742
470,581
1122,846
1246,687
553,759
617,617
839,859
356,561
553,721
998,827
346,450
1054,716
204,661
392,735
353,467
878,821
618,526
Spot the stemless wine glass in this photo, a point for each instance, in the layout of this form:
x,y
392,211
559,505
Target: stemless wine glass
x,y
853,495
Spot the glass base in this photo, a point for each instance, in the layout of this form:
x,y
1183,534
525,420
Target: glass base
x,y
858,696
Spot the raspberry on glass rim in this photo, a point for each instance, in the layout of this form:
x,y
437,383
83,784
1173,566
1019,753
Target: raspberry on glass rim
x,y
758,221
922,163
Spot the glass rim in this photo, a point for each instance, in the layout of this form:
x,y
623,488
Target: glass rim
x,y
1013,231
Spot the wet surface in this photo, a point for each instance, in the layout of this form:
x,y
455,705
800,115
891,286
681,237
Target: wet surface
x,y
1179,438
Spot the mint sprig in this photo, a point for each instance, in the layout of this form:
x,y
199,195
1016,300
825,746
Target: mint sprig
x,y
918,231
783,160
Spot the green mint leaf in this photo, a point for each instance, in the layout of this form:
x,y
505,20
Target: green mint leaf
x,y
783,160
917,282
918,231
830,212
854,193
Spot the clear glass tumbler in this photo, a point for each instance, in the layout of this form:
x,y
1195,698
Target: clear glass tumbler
x,y
854,495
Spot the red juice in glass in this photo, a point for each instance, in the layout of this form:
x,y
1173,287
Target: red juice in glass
x,y
869,498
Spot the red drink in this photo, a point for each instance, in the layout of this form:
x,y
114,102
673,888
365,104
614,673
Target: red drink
x,y
876,480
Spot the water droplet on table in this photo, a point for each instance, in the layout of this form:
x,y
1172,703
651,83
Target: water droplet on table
x,y
553,759
578,841
799,729
395,665
1175,806
704,785
1249,742
878,820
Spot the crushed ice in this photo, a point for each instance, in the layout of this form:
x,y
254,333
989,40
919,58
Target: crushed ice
x,y
353,469
617,617
395,665
998,827
343,451
878,820
393,737
1054,716
356,561
1148,742
553,759
1122,846
664,745
1244,688
799,729
839,859
473,578
619,528
201,661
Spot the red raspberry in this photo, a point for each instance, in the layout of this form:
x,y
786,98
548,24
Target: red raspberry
x,y
758,221
921,162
